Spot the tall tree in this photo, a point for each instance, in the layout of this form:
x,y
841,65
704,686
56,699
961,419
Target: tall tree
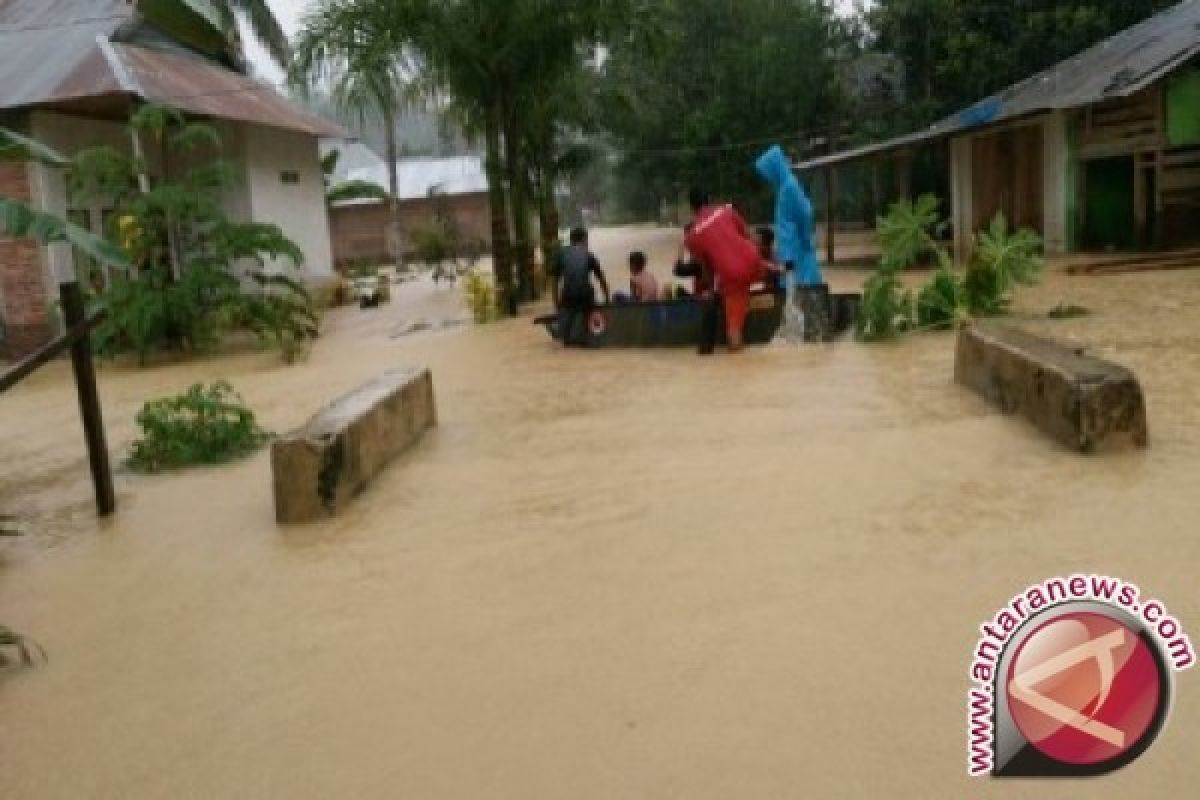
x,y
366,72
956,52
696,98
487,56
208,23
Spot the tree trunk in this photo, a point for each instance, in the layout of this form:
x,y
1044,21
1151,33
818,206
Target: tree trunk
x,y
395,237
498,207
548,219
518,196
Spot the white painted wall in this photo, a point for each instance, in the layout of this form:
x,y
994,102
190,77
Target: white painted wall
x,y
297,208
260,156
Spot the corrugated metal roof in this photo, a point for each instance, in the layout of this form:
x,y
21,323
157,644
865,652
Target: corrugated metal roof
x,y
202,87
48,49
53,51
421,177
1120,66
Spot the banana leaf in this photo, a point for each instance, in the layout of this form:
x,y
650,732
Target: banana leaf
x,y
16,147
22,222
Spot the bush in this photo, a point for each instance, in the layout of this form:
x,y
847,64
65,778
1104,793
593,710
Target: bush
x,y
205,425
1003,261
942,303
18,650
887,308
482,297
185,289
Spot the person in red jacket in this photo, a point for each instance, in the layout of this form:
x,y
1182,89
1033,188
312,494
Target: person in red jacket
x,y
720,239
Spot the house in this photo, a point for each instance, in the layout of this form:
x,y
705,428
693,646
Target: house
x,y
71,72
451,190
1101,151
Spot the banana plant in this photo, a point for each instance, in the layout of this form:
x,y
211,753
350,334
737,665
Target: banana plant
x,y
20,221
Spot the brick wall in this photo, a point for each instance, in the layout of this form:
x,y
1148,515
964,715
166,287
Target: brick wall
x,y
359,232
22,289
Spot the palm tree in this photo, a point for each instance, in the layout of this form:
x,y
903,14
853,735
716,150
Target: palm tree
x,y
490,58
213,23
366,74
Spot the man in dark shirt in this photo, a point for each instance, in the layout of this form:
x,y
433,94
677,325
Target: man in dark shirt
x,y
573,290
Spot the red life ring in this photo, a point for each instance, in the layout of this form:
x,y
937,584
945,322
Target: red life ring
x,y
598,323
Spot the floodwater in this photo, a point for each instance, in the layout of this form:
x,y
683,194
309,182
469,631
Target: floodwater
x,y
606,574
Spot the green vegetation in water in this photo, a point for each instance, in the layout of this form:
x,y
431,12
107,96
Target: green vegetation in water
x,y
185,290
205,425
17,650
1003,260
482,297
1067,311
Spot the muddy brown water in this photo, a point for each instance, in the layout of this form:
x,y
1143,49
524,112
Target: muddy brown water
x,y
606,574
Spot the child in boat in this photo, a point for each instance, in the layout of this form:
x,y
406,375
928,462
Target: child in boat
x,y
643,288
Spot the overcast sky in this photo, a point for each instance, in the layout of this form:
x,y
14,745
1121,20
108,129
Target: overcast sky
x,y
290,13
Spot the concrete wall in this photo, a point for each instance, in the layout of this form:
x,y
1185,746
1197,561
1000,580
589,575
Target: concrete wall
x,y
298,208
359,231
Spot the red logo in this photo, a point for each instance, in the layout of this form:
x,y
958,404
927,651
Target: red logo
x,y
1085,689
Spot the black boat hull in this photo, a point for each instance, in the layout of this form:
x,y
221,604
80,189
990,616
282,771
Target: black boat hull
x,y
678,323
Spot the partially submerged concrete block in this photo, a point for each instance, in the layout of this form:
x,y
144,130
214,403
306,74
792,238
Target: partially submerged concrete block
x,y
1084,402
320,467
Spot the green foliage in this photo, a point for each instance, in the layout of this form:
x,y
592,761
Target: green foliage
x,y
190,282
682,95
956,52
18,650
1003,261
905,233
20,221
887,308
17,147
205,425
942,303
482,297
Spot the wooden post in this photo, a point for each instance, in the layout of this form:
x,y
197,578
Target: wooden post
x,y
89,400
876,195
830,213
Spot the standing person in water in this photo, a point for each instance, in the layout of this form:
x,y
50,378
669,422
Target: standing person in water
x,y
573,290
793,220
720,240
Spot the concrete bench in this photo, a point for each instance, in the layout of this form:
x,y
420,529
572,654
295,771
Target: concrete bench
x,y
1085,403
320,467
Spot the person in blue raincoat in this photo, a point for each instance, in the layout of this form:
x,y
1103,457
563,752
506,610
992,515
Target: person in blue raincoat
x,y
793,220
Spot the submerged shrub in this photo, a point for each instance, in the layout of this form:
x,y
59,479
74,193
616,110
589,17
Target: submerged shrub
x,y
887,308
942,303
204,425
1003,261
17,650
482,297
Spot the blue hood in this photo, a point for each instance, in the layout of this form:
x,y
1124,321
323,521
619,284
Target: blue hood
x,y
774,166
